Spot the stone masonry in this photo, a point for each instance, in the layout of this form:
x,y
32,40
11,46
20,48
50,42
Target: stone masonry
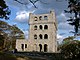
x,y
42,34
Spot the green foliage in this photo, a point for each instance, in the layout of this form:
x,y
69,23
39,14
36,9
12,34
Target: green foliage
x,y
4,10
4,56
10,34
70,48
68,39
1,41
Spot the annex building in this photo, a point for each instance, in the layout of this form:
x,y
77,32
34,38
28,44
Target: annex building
x,y
42,34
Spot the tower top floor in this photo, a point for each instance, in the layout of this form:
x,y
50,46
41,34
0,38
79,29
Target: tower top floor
x,y
42,18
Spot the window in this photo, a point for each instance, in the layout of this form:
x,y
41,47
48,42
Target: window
x,y
36,18
45,36
35,27
40,36
40,18
25,45
35,36
40,47
45,18
45,27
45,47
40,27
22,46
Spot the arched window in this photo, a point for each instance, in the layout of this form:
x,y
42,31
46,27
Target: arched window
x,y
40,27
25,45
40,47
45,36
35,18
45,18
45,26
35,27
35,36
40,36
22,46
40,18
45,47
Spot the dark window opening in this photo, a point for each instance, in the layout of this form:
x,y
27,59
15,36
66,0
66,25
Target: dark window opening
x,y
40,27
40,36
35,36
25,45
45,18
36,18
45,36
45,27
40,46
22,46
35,27
45,48
40,18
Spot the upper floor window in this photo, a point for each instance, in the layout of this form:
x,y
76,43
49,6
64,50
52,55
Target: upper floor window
x,y
35,27
40,18
45,36
45,18
40,27
40,36
45,26
35,36
36,18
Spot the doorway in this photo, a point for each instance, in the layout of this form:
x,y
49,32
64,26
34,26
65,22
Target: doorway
x,y
45,47
40,47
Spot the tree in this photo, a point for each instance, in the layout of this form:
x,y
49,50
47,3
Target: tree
x,y
10,34
4,10
33,2
70,49
74,9
1,41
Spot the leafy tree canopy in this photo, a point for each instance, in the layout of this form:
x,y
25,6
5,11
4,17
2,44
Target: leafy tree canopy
x,y
70,49
13,30
4,10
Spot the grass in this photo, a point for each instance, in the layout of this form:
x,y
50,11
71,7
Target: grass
x,y
5,56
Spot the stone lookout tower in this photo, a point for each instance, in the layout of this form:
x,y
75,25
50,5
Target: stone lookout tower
x,y
42,33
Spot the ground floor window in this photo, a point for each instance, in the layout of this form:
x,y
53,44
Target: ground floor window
x,y
40,47
22,46
45,47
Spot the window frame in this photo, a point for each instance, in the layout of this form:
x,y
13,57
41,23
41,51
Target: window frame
x,y
35,36
45,17
45,27
40,27
45,36
35,27
35,18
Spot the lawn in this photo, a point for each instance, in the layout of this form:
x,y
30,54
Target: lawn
x,y
5,56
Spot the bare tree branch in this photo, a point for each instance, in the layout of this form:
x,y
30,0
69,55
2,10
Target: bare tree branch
x,y
21,2
31,1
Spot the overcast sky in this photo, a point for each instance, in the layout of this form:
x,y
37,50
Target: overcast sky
x,y
20,14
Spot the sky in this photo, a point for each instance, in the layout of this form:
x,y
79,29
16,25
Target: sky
x,y
20,15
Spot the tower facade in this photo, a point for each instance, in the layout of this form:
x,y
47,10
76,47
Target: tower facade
x,y
42,33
